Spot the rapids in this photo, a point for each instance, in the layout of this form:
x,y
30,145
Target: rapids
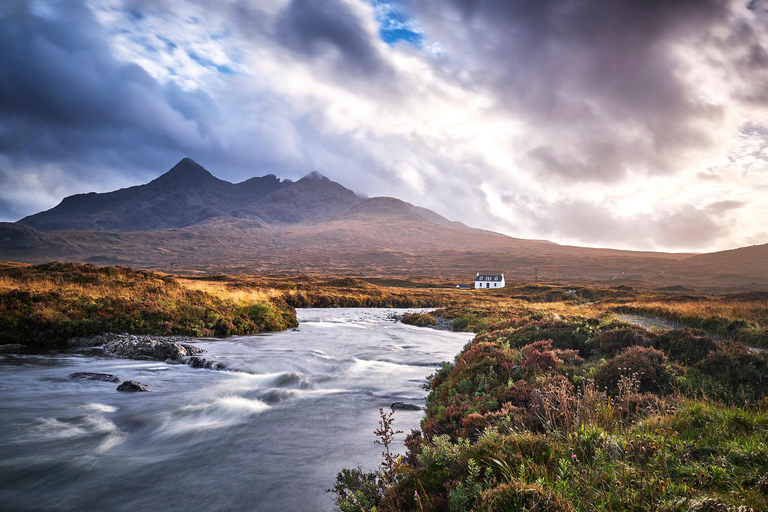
x,y
269,433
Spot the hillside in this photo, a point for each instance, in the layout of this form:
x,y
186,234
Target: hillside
x,y
189,220
185,195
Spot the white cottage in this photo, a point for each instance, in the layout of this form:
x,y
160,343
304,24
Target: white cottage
x,y
489,280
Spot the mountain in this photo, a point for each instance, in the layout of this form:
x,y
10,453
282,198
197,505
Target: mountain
x,y
187,220
313,198
185,195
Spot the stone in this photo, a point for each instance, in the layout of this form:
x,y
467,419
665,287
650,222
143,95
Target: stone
x,y
149,348
132,386
12,348
91,341
202,362
402,406
103,377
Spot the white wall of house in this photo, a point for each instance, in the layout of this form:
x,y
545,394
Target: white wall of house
x,y
488,282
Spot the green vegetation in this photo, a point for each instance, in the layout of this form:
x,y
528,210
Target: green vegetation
x,y
44,305
419,319
557,406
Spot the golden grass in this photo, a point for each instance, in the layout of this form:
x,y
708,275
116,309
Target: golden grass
x,y
225,291
753,311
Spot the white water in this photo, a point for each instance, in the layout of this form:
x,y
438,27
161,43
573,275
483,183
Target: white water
x,y
270,436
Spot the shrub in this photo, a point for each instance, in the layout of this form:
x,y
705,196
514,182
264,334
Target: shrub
x,y
520,496
648,364
539,355
615,337
739,371
565,335
419,319
687,346
357,490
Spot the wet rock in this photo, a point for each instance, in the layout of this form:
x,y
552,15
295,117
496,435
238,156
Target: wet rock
x,y
103,377
202,362
12,348
402,406
132,386
150,348
91,341
443,324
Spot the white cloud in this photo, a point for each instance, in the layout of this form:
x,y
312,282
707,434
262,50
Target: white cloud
x,y
477,131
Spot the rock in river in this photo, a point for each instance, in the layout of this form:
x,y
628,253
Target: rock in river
x,y
405,407
12,348
201,362
149,348
132,385
103,377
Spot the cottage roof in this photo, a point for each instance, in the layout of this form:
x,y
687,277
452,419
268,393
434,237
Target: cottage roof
x,y
489,276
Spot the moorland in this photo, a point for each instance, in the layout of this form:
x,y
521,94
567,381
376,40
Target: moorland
x,y
188,221
622,380
558,403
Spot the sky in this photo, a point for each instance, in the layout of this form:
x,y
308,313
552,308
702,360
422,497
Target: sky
x,y
632,124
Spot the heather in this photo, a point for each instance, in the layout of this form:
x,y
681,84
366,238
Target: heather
x,y
44,305
561,406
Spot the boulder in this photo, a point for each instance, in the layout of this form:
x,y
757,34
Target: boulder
x,y
202,362
103,377
12,348
132,386
91,341
402,406
148,348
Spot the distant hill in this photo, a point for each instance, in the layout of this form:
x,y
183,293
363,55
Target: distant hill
x,y
188,220
185,195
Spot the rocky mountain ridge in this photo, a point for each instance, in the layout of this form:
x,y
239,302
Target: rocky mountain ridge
x,y
187,220
188,194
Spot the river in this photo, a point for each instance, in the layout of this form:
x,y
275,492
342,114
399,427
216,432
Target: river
x,y
268,434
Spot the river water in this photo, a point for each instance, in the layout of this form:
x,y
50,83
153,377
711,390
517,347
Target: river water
x,y
269,435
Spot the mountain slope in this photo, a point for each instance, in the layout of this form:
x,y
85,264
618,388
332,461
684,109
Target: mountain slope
x,y
313,198
185,195
188,220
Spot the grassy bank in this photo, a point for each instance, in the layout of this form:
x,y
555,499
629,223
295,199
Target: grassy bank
x,y
556,405
44,305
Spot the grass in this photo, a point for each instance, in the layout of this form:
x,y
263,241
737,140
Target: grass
x,y
44,305
556,405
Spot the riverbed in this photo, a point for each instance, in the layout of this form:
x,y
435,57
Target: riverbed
x,y
269,433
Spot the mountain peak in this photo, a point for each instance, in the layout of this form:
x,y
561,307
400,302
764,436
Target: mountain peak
x,y
186,172
314,176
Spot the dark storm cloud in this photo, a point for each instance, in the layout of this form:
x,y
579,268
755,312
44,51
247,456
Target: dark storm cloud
x,y
598,81
64,97
67,101
314,29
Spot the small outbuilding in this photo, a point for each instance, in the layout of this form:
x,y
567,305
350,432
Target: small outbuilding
x,y
463,287
489,280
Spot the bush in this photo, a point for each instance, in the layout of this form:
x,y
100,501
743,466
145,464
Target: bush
x,y
686,346
648,364
739,372
357,490
565,335
615,337
419,319
519,496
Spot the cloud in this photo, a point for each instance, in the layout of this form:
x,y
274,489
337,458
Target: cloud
x,y
602,86
314,28
634,124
